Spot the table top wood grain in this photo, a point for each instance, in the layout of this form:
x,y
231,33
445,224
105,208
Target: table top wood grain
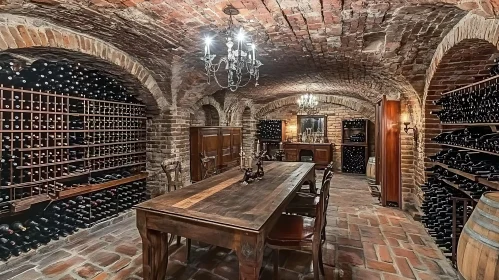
x,y
224,200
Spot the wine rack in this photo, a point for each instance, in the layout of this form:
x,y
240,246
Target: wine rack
x,y
354,139
50,140
271,130
353,159
73,151
64,127
468,164
66,216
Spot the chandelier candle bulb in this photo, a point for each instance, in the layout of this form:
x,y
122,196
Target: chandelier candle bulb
x,y
253,49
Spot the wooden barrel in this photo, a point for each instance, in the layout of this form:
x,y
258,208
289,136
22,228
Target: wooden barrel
x,y
478,247
371,168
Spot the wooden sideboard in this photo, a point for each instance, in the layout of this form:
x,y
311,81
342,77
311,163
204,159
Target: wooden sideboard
x,y
322,153
223,142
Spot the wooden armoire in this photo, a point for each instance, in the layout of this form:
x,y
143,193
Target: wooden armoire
x,y
223,142
388,166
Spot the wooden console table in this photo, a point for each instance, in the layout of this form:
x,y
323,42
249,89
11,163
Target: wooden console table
x,y
220,211
322,152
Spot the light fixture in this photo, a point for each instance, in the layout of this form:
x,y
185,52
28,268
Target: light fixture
x,y
241,65
406,121
308,103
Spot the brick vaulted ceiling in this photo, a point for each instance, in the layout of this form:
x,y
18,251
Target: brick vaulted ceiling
x,y
356,48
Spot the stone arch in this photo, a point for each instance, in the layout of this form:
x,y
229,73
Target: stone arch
x,y
237,113
464,56
363,107
210,101
19,32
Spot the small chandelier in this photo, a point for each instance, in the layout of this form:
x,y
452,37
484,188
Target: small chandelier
x,y
308,103
241,64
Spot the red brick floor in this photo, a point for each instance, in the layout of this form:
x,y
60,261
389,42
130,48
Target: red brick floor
x,y
364,241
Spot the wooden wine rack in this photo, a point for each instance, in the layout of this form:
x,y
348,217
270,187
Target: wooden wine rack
x,y
39,125
346,133
491,184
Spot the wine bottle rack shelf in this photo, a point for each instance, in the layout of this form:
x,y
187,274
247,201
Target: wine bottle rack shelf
x,y
355,144
82,189
470,149
457,187
469,124
472,177
49,139
471,85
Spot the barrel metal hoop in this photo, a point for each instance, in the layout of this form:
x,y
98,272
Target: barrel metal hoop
x,y
480,238
489,202
486,215
488,226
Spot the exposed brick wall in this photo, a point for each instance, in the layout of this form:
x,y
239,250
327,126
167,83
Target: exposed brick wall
x,y
207,111
335,114
24,33
211,117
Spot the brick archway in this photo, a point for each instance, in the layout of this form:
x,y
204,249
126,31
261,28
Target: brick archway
x,y
464,56
363,107
209,100
24,33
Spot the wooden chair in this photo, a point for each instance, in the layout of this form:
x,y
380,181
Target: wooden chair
x,y
208,165
305,203
309,187
295,232
175,183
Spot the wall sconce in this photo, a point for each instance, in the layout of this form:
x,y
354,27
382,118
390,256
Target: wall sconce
x,y
406,121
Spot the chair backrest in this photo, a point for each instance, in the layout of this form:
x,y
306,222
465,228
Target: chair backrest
x,y
327,170
320,214
328,174
175,168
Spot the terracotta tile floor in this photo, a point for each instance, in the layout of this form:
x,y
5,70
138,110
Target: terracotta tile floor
x,y
364,241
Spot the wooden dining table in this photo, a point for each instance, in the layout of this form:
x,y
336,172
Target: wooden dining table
x,y
220,211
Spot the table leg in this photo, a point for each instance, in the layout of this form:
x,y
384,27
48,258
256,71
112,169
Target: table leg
x,y
154,250
250,256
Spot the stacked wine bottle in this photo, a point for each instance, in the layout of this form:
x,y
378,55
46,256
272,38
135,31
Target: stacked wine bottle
x,y
473,104
468,164
354,159
269,130
438,212
65,217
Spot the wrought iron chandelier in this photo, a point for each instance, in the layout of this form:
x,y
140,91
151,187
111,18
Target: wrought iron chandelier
x,y
240,63
308,103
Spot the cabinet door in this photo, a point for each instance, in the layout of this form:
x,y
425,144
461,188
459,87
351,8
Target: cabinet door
x,y
290,155
226,152
209,141
236,143
321,155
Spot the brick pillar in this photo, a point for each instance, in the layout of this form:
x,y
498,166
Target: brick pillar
x,y
167,138
407,161
249,131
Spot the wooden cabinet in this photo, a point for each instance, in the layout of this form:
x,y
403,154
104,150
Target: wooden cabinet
x,y
322,153
388,151
222,142
290,152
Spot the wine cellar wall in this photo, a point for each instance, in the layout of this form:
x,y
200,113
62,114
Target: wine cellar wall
x,y
467,164
73,152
